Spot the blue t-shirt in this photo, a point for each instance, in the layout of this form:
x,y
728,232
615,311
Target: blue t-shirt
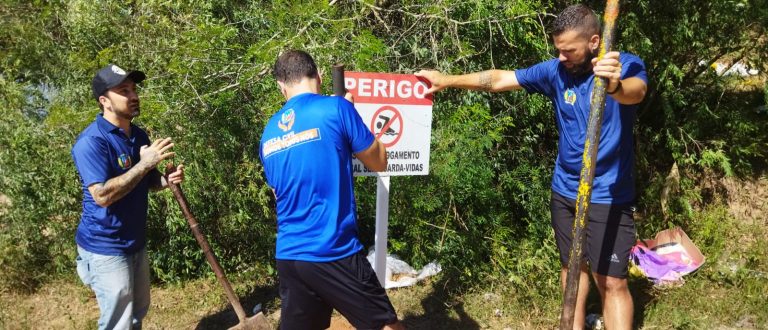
x,y
614,179
103,151
307,149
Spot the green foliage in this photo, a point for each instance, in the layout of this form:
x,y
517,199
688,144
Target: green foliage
x,y
40,215
693,118
483,210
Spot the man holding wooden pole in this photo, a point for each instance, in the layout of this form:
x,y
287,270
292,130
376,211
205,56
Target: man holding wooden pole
x,y
117,166
569,82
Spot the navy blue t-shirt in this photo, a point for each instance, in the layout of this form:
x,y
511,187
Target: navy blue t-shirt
x,y
103,151
614,179
307,149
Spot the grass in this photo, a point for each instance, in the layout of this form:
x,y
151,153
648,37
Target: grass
x,y
728,292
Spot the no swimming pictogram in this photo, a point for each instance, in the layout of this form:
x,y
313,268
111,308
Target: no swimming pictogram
x,y
387,125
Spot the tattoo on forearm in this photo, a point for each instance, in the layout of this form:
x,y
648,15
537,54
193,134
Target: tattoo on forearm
x,y
486,82
116,188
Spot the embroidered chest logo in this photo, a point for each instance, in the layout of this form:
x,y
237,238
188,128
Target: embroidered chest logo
x,y
569,96
124,161
286,120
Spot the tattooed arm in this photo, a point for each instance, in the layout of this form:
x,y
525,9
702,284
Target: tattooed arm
x,y
105,194
490,80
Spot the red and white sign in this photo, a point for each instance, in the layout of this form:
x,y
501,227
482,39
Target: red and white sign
x,y
399,114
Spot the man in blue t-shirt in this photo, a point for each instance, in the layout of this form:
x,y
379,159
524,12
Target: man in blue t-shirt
x,y
117,167
568,82
307,149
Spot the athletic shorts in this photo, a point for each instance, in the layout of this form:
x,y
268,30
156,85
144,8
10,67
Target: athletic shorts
x,y
311,290
610,234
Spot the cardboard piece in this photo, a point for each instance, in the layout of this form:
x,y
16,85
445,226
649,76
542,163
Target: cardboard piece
x,y
675,235
666,258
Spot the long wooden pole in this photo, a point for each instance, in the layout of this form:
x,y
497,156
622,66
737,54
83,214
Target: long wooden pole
x,y
207,251
587,172
256,322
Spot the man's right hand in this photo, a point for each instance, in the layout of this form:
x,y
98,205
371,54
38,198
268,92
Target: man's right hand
x,y
156,152
436,78
349,97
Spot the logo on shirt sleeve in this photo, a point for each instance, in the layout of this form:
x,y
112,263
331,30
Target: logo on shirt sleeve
x,y
124,161
286,120
569,96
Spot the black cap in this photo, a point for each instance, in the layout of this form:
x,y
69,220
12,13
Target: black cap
x,y
111,76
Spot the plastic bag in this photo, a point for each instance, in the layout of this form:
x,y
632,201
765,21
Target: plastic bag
x,y
667,258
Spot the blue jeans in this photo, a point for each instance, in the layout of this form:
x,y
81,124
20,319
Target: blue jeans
x,y
121,284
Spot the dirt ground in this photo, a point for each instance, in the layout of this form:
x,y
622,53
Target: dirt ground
x,y
748,200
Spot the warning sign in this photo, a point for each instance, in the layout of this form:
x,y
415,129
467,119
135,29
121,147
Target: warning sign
x,y
399,114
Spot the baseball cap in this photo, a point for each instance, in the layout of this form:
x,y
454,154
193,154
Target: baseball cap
x,y
111,76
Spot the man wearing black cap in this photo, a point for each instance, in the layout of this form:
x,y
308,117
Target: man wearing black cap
x,y
117,167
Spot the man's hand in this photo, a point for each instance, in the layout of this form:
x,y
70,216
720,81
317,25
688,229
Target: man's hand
x,y
627,91
436,78
177,176
156,152
608,67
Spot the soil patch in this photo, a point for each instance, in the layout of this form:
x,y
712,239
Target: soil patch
x,y
748,200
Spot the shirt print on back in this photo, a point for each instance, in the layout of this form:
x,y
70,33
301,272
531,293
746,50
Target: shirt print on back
x,y
290,139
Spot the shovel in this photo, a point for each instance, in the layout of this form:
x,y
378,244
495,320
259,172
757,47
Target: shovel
x,y
256,322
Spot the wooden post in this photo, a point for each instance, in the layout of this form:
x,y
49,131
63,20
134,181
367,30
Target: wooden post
x,y
337,75
587,172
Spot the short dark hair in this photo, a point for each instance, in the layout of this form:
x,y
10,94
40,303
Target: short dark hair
x,y
293,66
577,18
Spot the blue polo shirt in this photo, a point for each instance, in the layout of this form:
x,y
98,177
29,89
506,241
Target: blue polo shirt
x,y
614,172
103,151
307,149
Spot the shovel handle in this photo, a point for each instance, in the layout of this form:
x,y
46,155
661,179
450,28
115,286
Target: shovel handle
x,y
194,225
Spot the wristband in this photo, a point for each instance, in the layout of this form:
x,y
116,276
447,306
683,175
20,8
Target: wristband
x,y
618,87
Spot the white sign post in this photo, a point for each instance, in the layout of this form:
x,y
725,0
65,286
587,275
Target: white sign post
x,y
382,224
400,116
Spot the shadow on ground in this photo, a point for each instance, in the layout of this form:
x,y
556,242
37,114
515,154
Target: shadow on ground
x,y
439,308
642,298
267,296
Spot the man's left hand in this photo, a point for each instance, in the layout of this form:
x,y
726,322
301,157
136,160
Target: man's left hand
x,y
177,176
608,67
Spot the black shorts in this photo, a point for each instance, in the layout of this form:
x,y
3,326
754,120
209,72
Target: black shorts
x,y
610,234
311,290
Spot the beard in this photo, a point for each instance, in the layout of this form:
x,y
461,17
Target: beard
x,y
130,112
133,110
584,67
